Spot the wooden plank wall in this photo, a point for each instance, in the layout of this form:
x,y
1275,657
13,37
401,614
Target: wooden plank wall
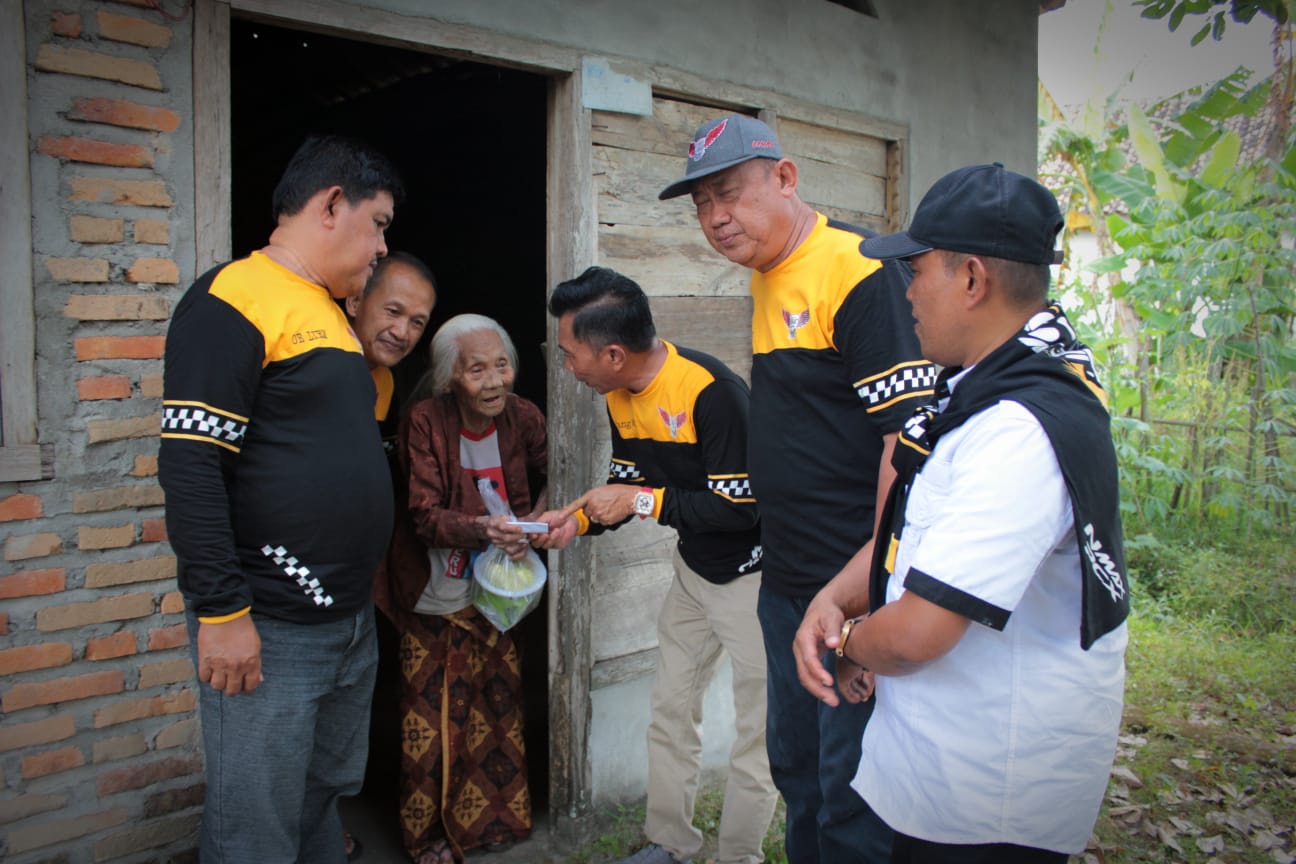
x,y
843,174
699,299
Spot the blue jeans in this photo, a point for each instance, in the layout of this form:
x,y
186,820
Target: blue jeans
x,y
279,758
814,752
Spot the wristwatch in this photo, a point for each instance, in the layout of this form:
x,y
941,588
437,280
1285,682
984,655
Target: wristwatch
x,y
644,502
847,627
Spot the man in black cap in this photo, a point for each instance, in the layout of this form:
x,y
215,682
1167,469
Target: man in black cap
x,y
998,602
836,370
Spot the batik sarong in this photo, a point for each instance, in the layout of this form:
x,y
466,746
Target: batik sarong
x,y
463,761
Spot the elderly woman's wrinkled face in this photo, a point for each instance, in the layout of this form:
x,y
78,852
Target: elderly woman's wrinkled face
x,y
482,380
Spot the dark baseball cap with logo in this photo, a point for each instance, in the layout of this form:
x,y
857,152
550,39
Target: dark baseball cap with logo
x,y
979,210
721,144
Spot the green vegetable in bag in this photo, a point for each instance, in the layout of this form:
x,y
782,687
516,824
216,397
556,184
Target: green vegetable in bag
x,y
505,590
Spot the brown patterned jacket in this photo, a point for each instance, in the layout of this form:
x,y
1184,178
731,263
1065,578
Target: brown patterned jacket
x,y
437,503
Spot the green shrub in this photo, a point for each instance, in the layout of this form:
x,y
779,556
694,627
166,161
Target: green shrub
x,y
1244,587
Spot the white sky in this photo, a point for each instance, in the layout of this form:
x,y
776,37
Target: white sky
x,y
1162,63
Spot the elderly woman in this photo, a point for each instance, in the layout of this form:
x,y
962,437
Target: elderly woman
x,y
463,765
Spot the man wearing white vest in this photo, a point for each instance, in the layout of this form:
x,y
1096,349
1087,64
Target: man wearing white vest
x,y
997,592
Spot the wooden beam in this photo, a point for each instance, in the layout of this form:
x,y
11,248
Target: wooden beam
x,y
415,31
18,435
573,412
897,196
726,96
627,667
20,462
211,130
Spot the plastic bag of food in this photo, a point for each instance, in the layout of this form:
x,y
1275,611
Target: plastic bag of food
x,y
504,590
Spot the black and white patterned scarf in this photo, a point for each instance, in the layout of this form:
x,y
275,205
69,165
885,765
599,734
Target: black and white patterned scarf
x,y
1046,369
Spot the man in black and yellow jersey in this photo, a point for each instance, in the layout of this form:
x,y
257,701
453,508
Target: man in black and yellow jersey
x,y
679,455
836,370
279,507
389,318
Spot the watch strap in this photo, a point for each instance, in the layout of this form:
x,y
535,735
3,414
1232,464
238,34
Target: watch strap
x,y
848,627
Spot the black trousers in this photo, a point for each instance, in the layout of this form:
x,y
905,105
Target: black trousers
x,y
911,850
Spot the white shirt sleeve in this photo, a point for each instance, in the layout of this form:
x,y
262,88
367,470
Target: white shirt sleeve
x,y
987,508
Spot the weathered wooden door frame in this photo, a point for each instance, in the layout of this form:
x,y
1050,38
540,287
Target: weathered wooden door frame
x,y
22,458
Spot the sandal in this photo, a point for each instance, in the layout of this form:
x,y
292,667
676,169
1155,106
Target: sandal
x,y
438,853
354,848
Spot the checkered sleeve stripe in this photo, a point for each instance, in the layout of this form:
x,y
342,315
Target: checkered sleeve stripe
x,y
299,573
731,487
904,381
197,421
619,470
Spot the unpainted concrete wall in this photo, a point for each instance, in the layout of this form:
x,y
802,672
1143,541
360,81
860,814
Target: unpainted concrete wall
x,y
961,76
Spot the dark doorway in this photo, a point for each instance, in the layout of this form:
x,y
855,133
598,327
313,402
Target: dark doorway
x,y
469,140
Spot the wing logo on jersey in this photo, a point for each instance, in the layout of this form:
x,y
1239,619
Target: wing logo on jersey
x,y
753,561
698,148
795,322
674,422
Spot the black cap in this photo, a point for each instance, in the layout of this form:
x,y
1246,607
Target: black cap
x,y
979,210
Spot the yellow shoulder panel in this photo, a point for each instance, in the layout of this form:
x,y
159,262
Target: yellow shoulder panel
x,y
294,316
664,410
796,302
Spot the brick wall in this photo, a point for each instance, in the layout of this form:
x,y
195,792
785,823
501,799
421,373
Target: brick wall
x,y
99,756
